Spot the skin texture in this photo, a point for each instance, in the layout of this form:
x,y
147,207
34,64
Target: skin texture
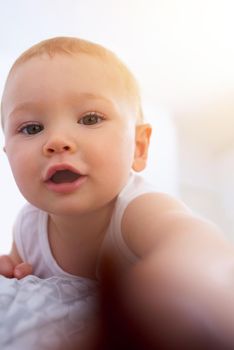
x,y
183,282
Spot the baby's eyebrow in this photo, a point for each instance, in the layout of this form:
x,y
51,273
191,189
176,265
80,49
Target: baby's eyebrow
x,y
24,106
91,96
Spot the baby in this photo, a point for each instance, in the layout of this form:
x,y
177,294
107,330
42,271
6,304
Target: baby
x,y
75,138
73,130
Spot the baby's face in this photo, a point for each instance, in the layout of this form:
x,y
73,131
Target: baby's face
x,y
69,132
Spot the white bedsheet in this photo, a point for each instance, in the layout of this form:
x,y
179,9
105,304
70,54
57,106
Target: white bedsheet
x,y
53,313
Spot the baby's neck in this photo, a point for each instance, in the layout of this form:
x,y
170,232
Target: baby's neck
x,y
76,241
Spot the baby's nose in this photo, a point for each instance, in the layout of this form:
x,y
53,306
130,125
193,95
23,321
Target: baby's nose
x,y
58,145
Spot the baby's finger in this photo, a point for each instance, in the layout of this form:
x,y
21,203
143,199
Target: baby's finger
x,y
22,270
6,266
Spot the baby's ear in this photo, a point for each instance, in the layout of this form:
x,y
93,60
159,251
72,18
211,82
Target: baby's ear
x,y
143,133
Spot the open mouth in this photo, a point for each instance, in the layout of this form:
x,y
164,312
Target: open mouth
x,y
64,176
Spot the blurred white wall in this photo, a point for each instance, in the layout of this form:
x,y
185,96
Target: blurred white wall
x,y
206,159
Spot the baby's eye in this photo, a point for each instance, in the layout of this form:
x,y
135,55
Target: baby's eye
x,y
31,129
91,118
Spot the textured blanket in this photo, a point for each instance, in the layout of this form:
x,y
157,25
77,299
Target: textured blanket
x,y
54,313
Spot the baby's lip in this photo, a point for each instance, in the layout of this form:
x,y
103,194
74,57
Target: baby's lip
x,y
58,167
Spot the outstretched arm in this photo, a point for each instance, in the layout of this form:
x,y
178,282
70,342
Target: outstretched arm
x,y
180,295
12,265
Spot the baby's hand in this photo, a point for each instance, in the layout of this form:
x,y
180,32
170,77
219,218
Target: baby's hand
x,y
9,269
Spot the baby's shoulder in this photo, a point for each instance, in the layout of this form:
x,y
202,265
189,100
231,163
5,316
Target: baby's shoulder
x,y
158,202
148,216
27,216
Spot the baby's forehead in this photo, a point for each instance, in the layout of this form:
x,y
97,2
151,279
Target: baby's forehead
x,y
106,67
26,73
116,75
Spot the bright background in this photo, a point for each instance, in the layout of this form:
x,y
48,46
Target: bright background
x,y
182,53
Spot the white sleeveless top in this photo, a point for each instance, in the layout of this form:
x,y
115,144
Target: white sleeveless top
x,y
31,236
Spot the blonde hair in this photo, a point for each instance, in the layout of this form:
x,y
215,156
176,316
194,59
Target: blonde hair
x,y
72,45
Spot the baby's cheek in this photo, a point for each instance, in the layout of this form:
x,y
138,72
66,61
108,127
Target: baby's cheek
x,y
22,172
